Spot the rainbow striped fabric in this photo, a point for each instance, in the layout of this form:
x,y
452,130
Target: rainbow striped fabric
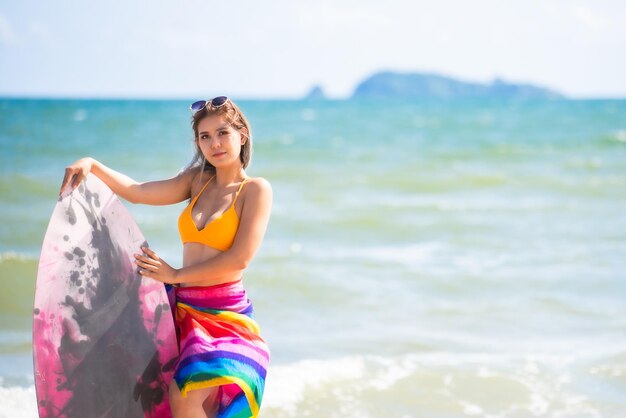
x,y
220,346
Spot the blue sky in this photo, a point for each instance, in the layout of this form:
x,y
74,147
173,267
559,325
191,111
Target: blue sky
x,y
263,49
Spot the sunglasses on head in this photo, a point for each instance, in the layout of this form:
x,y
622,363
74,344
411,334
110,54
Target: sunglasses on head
x,y
214,103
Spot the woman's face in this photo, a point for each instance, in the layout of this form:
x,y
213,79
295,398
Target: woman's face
x,y
219,142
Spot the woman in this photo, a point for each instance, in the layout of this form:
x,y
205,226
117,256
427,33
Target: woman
x,y
223,360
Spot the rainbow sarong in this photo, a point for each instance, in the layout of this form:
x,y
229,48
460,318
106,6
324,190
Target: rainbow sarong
x,y
220,345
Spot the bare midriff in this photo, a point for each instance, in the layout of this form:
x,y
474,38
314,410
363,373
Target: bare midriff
x,y
196,253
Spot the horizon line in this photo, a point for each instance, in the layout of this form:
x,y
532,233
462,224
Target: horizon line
x,y
44,96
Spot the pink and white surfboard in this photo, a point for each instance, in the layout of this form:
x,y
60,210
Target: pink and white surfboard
x,y
104,343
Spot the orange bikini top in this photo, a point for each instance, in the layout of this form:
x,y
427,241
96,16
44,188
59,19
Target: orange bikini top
x,y
219,233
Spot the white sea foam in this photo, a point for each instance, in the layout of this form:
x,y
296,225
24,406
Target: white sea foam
x,y
288,384
416,384
406,254
620,135
477,201
472,384
80,115
18,402
308,114
18,256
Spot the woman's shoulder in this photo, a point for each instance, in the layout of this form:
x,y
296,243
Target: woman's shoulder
x,y
258,183
258,186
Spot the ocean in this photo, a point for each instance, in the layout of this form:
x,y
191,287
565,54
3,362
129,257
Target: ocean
x,y
424,258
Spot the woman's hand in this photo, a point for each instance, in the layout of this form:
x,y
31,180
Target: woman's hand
x,y
153,267
75,173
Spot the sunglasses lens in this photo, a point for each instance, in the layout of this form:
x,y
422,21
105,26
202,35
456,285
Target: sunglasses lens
x,y
219,101
198,105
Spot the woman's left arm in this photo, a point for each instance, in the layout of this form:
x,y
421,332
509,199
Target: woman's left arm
x,y
253,223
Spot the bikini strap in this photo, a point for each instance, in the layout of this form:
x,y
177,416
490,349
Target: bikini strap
x,y
239,190
204,187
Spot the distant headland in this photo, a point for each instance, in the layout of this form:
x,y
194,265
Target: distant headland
x,y
419,85
316,93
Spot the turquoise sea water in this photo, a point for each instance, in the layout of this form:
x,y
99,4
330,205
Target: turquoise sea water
x,y
424,259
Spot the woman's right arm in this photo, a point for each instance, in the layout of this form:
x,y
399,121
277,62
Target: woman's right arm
x,y
162,192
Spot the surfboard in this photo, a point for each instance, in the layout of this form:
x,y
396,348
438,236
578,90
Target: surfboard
x,y
104,343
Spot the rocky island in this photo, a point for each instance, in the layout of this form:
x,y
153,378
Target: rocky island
x,y
389,84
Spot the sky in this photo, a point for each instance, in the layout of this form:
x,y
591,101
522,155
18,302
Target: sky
x,y
280,49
